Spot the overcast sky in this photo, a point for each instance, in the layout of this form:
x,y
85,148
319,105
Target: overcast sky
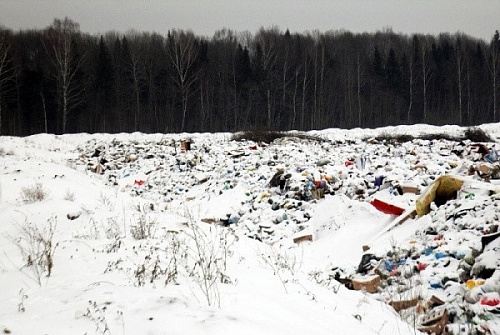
x,y
478,18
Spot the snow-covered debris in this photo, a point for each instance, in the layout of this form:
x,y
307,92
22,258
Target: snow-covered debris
x,y
146,233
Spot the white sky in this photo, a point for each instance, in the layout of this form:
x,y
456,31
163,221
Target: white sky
x,y
477,18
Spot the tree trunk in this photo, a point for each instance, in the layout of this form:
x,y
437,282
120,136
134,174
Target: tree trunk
x,y
494,78
65,109
349,95
304,87
1,113
313,114
235,97
320,116
44,112
283,98
268,107
184,108
460,65
136,90
359,92
410,105
424,88
468,96
294,101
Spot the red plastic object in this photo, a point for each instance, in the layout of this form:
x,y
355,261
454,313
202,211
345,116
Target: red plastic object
x,y
139,182
348,163
422,266
490,301
386,208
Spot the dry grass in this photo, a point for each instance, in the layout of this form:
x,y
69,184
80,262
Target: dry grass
x,y
34,193
474,134
268,136
69,196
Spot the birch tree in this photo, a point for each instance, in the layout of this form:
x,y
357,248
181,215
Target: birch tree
x,y
268,40
426,75
494,67
7,72
359,78
411,79
136,69
460,65
65,63
183,48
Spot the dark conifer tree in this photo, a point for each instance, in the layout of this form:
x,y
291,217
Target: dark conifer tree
x,y
393,72
104,87
180,82
378,63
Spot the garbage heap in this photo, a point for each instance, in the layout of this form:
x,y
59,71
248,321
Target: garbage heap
x,y
276,185
446,279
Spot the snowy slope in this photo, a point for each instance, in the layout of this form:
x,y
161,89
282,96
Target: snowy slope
x,y
105,280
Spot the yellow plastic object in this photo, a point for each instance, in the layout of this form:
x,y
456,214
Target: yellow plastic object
x,y
444,186
471,283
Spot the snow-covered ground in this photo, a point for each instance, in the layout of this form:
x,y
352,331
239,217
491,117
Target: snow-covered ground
x,y
141,238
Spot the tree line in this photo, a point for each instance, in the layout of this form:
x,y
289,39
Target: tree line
x,y
61,80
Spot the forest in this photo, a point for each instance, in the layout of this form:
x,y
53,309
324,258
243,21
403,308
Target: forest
x,y
62,80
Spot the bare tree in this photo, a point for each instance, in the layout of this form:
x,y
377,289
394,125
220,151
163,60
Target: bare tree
x,y
65,64
137,68
411,78
315,104
359,76
269,43
7,72
469,99
238,80
319,79
285,81
426,75
292,124
349,90
494,68
183,48
153,58
224,52
305,84
460,63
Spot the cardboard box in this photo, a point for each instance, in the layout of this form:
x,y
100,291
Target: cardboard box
x,y
434,316
435,321
185,145
302,238
410,189
484,168
403,304
368,283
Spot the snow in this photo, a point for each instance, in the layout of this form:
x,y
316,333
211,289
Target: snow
x,y
270,285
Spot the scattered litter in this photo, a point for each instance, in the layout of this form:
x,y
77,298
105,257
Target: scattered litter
x,y
386,207
441,190
446,191
369,284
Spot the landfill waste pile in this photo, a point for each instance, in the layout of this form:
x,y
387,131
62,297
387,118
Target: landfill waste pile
x,y
444,278
404,215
